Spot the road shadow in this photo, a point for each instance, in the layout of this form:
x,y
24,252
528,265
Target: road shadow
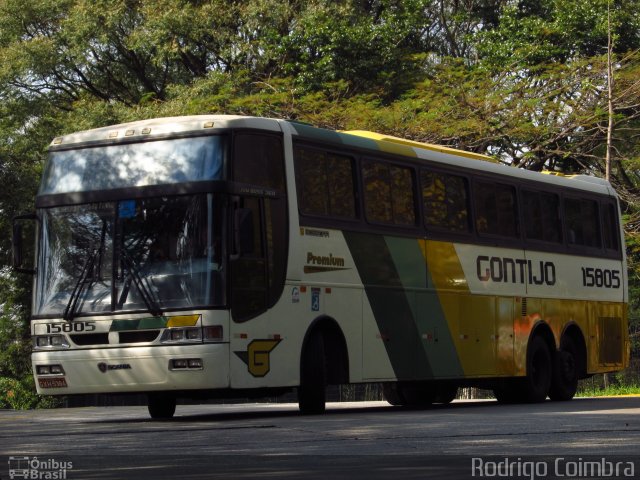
x,y
243,412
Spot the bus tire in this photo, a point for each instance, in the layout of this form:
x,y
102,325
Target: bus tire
x,y
392,394
410,394
161,406
504,395
564,382
445,393
537,382
418,394
507,391
313,377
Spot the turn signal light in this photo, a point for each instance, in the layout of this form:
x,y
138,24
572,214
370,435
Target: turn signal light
x,y
214,333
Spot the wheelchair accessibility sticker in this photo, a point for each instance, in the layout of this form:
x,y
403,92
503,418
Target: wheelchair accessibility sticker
x,y
315,299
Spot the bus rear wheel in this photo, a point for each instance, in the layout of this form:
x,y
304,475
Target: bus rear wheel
x,y
313,377
161,406
565,372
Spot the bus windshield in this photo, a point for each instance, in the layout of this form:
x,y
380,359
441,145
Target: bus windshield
x,y
134,165
144,254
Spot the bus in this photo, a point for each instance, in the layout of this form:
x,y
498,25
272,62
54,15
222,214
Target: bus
x,y
239,256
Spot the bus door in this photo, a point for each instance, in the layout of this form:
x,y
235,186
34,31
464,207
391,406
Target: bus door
x,y
258,257
248,292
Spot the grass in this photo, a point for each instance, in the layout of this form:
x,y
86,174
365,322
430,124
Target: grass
x,y
610,391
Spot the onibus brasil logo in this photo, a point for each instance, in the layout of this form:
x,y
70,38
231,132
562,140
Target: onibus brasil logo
x,y
35,468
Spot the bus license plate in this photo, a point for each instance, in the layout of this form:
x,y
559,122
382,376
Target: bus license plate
x,y
52,382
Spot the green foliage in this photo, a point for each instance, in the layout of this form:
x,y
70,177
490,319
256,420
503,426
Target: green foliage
x,y
611,391
21,394
367,47
17,389
14,394
533,33
626,382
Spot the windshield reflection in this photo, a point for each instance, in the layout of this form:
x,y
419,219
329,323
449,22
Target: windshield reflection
x,y
133,165
145,254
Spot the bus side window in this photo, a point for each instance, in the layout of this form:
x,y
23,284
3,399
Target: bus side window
x,y
541,211
388,193
258,160
445,201
496,209
582,222
610,231
324,181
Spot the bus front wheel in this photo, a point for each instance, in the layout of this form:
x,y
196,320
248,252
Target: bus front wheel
x,y
313,377
161,405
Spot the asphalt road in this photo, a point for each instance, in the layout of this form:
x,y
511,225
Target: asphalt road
x,y
352,440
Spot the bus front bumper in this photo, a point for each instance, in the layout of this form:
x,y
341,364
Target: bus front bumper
x,y
132,369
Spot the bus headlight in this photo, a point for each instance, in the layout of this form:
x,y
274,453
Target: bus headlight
x,y
182,335
192,334
49,370
50,341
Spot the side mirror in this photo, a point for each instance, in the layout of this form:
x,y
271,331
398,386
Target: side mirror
x,y
243,232
19,224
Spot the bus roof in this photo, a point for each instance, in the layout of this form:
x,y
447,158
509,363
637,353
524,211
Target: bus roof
x,y
362,139
359,139
411,143
161,127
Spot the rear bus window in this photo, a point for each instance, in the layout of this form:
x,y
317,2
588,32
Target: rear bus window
x,y
611,232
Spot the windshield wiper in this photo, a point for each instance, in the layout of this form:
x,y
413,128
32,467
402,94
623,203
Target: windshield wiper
x,y
73,306
142,285
74,300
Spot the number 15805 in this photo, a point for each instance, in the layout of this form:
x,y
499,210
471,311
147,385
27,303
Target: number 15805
x,y
600,277
71,327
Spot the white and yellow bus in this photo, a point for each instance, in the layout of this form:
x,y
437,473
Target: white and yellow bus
x,y
228,255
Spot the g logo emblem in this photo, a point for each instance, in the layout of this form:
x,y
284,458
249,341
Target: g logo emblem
x,y
259,362
257,356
